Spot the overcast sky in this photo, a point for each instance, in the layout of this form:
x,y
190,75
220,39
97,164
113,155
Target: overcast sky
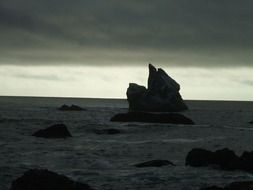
x,y
206,34
82,31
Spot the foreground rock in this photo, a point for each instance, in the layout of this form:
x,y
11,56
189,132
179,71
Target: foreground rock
x,y
162,94
225,159
38,179
54,131
154,163
109,131
241,185
173,118
71,108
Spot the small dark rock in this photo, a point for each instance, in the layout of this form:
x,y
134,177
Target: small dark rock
x,y
54,131
173,118
198,157
212,188
41,179
225,159
154,163
109,131
71,108
247,161
251,122
240,185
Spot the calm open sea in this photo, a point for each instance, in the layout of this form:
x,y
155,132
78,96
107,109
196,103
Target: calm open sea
x,y
107,161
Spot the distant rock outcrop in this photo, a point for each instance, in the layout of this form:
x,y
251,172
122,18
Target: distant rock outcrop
x,y
173,118
71,108
154,163
54,131
225,159
239,185
40,179
162,94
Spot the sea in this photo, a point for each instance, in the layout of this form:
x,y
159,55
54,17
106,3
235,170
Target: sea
x,y
107,162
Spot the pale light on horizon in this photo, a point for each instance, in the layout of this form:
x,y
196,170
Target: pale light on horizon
x,y
112,81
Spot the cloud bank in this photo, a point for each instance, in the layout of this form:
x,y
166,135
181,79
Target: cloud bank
x,y
95,32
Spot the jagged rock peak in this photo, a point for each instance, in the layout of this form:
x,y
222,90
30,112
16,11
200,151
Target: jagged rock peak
x,y
162,94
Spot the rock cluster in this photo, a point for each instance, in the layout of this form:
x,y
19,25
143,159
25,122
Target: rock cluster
x,y
225,159
41,179
71,108
162,94
54,131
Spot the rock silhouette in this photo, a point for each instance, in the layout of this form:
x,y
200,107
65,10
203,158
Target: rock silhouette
x,y
154,163
240,185
173,118
251,122
41,179
225,159
162,94
71,108
54,131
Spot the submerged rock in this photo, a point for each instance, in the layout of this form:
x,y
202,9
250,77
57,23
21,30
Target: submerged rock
x,y
225,159
240,185
54,131
71,108
162,94
154,163
41,179
173,118
109,131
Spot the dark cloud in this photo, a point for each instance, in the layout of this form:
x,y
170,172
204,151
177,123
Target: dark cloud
x,y
148,27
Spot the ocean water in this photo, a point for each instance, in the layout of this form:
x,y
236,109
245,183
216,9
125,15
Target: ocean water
x,y
106,162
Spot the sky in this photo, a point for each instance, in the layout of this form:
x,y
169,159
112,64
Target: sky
x,y
94,48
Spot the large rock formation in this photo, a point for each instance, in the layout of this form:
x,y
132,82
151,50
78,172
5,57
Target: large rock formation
x,y
162,94
41,179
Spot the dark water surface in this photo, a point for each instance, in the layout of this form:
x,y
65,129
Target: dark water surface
x,y
106,161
